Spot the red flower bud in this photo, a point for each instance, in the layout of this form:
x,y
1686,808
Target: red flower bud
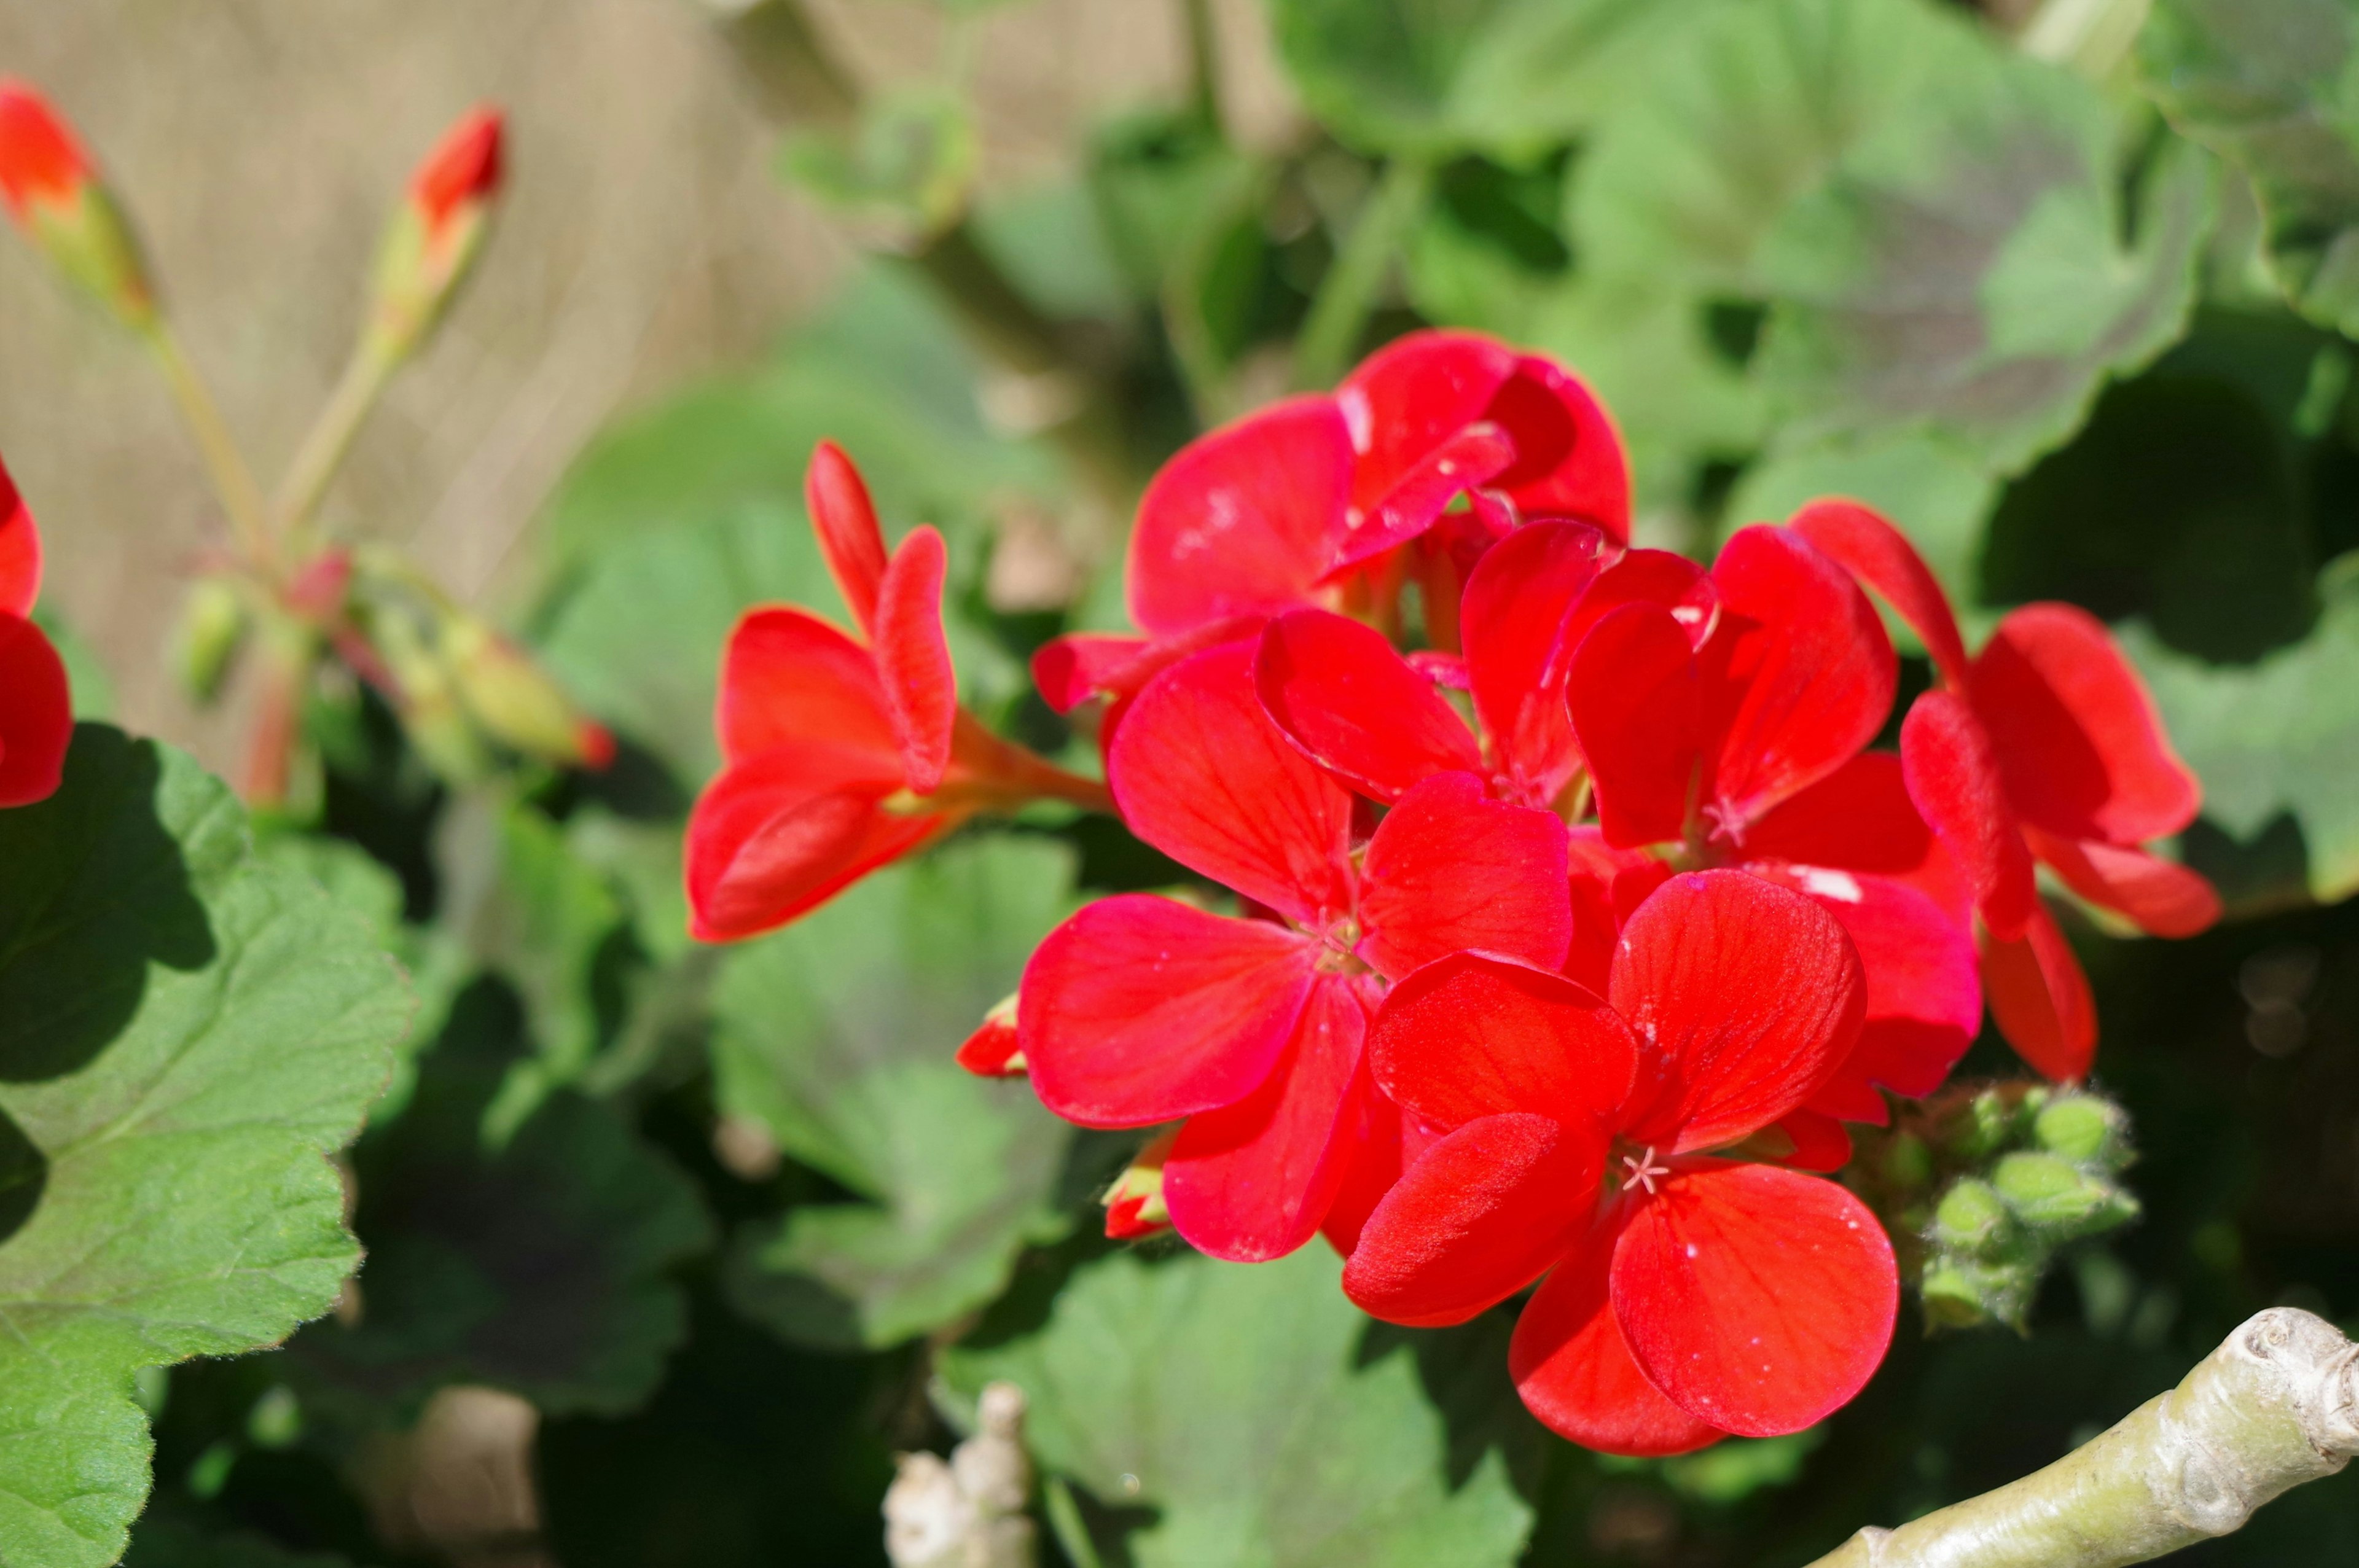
x,y
994,1050
53,192
434,238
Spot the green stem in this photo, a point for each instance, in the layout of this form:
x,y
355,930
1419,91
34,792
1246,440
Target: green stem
x,y
328,440
1066,1523
1204,63
1348,293
233,480
2276,1405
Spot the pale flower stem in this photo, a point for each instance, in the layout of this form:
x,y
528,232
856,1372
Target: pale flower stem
x,y
328,440
2276,1405
233,484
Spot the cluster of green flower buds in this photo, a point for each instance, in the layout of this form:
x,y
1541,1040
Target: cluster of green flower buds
x,y
2042,1173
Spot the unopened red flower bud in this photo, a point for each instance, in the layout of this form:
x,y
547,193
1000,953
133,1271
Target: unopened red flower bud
x,y
1134,1204
991,1052
53,191
435,237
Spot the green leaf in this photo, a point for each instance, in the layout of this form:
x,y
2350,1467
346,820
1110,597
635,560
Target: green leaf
x,y
186,1034
531,911
837,1034
2277,739
1435,77
1939,495
1229,1398
542,1266
1935,222
2273,85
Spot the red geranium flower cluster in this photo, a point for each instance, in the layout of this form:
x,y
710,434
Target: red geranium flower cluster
x,y
1573,916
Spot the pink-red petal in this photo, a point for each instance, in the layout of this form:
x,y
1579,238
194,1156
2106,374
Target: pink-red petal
x,y
20,551
1860,818
1202,774
1747,996
1471,1035
2160,897
1756,1298
1243,521
789,678
1139,1009
780,833
1252,1181
1948,761
36,713
913,658
1338,690
2040,998
1635,702
845,519
1882,558
2075,732
1809,678
1575,1372
1410,508
1482,1214
1450,868
1514,616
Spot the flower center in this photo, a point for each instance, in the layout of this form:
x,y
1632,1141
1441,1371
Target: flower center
x,y
1643,1172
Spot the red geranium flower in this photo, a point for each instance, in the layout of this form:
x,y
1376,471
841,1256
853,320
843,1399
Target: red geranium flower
x,y
1142,1009
36,708
2046,745
1314,502
1689,1293
1738,737
841,754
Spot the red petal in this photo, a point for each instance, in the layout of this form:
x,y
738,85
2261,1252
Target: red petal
x,y
777,835
36,713
994,1049
1412,395
1072,669
1483,1214
20,551
1471,1036
2040,998
1821,1143
913,658
1389,1142
1450,868
1924,1001
1881,557
1139,1009
1514,614
789,678
846,521
39,159
1636,701
1809,675
1606,883
1575,1371
1946,759
1569,457
1243,521
1650,576
463,168
1339,691
1420,390
1860,818
1202,773
1252,1181
2076,733
2163,898
1468,459
1756,1298
1746,997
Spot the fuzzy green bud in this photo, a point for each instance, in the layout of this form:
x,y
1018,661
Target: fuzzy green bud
x,y
2056,1199
1958,1293
1973,1220
2085,1130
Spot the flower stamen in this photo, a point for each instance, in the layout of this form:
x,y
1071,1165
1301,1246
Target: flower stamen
x,y
1643,1169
